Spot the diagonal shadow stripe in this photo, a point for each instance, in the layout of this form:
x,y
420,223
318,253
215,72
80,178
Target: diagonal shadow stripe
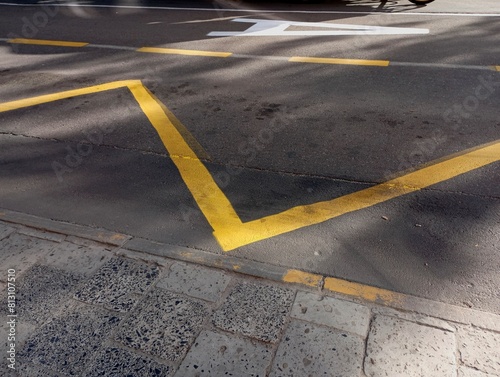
x,y
229,230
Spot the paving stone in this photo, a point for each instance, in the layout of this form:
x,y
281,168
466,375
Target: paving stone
x,y
69,343
20,252
116,283
397,348
30,370
328,311
116,362
311,350
469,372
165,325
253,310
22,331
42,292
195,281
215,354
5,230
78,259
480,349
415,317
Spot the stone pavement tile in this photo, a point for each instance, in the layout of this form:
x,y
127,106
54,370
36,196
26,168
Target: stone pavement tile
x,y
310,350
415,317
258,311
195,281
215,354
117,362
114,284
30,370
78,259
164,325
5,230
20,252
397,348
479,349
332,312
42,292
22,331
469,372
69,343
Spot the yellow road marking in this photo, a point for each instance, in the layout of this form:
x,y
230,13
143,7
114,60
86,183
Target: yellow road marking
x,y
175,51
46,42
366,292
229,230
377,63
301,277
498,68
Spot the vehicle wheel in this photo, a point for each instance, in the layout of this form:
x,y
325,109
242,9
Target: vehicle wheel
x,y
421,1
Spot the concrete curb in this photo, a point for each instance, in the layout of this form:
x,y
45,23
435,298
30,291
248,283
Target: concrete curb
x,y
359,292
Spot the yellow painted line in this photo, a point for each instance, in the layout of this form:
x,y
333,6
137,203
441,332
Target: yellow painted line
x,y
175,51
377,63
366,292
497,68
46,42
302,216
301,277
228,228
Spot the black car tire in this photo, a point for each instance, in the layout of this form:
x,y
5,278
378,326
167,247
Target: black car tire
x,y
421,1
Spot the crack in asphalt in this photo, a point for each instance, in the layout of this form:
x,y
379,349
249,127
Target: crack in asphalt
x,y
236,166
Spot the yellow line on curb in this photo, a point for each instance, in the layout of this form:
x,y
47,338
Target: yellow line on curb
x,y
175,51
366,292
301,277
46,42
377,63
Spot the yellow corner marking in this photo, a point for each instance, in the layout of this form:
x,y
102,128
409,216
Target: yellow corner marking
x,y
301,277
377,63
366,292
175,51
46,42
229,230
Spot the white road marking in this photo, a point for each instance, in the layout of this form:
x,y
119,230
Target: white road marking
x,y
273,28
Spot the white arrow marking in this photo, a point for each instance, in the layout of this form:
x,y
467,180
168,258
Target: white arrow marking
x,y
268,28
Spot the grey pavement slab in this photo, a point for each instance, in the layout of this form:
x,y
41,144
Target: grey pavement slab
x,y
480,349
20,252
5,230
68,344
329,311
217,354
78,259
311,350
397,348
117,362
207,284
258,311
164,325
43,292
116,284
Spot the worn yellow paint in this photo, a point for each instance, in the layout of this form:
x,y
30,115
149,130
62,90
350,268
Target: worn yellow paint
x,y
44,42
498,68
303,59
176,51
365,292
301,277
228,228
236,267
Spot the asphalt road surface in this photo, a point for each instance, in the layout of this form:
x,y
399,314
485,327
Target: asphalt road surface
x,y
358,139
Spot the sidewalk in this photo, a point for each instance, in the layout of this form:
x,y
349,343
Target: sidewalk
x,y
96,303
